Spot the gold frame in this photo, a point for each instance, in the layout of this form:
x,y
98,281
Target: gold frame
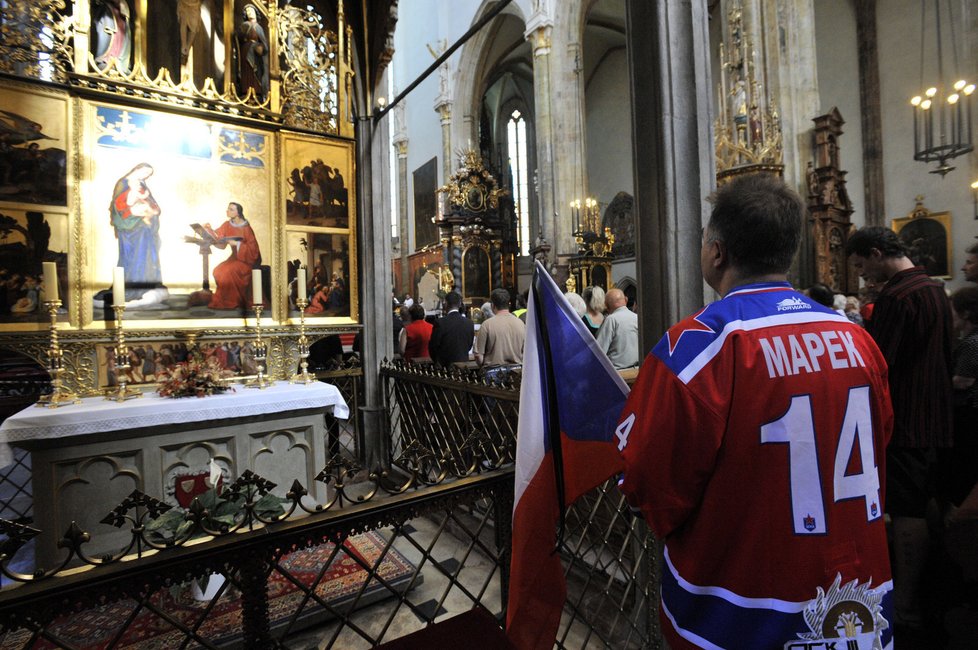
x,y
920,213
32,93
96,182
484,248
293,147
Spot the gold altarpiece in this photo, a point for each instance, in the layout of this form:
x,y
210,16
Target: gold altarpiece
x,y
476,232
199,104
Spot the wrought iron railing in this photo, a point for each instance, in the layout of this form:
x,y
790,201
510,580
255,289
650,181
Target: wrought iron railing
x,y
391,550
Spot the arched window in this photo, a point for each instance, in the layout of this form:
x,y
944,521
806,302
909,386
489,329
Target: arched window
x,y
518,163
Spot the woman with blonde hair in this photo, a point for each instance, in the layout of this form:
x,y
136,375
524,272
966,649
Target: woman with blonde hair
x,y
594,298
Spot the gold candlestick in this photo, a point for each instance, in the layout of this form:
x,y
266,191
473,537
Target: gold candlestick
x,y
121,392
261,354
58,396
303,376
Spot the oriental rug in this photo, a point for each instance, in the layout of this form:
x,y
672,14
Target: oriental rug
x,y
97,628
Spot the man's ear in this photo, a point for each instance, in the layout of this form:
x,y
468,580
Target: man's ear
x,y
719,258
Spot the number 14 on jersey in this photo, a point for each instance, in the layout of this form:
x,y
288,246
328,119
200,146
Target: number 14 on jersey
x,y
796,428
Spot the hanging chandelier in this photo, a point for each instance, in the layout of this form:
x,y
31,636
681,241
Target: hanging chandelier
x,y
941,113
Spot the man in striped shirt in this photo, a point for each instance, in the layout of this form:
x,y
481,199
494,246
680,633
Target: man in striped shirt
x,y
912,326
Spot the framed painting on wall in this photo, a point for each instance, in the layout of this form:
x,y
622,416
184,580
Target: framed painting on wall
x,y
319,181
326,257
28,238
35,226
184,206
152,362
317,189
927,235
425,204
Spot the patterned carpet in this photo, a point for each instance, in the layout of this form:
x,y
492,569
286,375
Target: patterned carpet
x,y
98,628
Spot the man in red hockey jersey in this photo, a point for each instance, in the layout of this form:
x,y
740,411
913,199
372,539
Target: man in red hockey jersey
x,y
754,444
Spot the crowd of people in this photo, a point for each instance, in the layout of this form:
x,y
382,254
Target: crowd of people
x,y
498,341
832,437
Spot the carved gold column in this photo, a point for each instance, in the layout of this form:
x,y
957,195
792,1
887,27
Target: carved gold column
x,y
538,32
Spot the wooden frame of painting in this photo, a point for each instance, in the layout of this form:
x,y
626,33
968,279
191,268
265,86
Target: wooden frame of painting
x,y
929,237
318,200
35,217
163,196
151,361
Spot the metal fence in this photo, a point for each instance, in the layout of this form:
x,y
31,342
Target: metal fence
x,y
396,548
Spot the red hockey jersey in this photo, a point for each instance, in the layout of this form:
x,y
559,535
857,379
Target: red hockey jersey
x,y
754,442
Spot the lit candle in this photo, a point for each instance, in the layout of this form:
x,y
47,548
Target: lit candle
x,y
300,283
118,286
256,286
50,281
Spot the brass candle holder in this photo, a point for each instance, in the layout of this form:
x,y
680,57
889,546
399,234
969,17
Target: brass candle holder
x,y
58,396
261,354
121,392
304,376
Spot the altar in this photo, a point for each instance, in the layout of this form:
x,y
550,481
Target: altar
x,y
88,457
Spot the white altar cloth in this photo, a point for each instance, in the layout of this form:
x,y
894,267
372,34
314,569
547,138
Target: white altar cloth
x,y
98,415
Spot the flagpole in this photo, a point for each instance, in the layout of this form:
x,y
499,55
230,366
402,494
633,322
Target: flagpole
x,y
553,428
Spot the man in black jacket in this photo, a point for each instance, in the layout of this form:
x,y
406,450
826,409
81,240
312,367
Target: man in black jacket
x,y
451,338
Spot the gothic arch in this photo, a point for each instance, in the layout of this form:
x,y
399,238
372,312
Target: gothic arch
x,y
472,74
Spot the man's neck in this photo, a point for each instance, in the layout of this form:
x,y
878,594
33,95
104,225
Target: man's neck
x,y
894,265
732,281
500,312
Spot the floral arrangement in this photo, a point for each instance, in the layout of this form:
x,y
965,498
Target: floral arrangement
x,y
195,377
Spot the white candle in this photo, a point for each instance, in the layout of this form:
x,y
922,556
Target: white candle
x,y
118,286
256,286
50,281
300,283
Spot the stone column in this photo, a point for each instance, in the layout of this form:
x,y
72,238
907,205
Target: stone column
x,y
871,113
374,272
673,157
785,45
400,147
444,109
538,32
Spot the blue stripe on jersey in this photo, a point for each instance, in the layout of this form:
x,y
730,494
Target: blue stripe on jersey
x,y
709,619
688,339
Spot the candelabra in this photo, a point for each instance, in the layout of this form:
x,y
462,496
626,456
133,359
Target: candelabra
x,y
121,392
58,396
261,354
303,376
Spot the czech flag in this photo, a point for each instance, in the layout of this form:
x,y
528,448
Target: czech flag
x,y
570,400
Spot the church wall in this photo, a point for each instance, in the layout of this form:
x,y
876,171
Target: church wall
x,y
898,27
427,18
609,129
838,86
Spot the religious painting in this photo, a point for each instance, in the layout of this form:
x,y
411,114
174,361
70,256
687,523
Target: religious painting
x,y
33,137
425,204
318,183
28,238
328,272
475,273
151,362
183,205
927,236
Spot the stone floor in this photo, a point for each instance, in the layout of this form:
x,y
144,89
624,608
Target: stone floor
x,y
435,596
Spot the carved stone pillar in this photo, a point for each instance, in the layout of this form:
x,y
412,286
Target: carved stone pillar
x,y
538,32
444,109
400,147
